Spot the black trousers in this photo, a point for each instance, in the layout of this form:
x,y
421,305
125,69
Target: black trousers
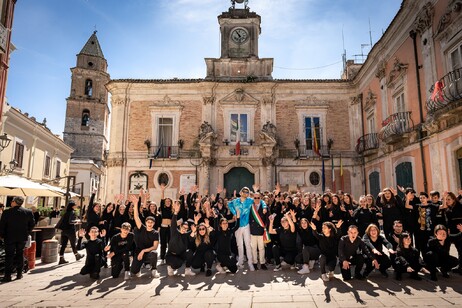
x,y
228,261
383,260
434,260
421,239
14,258
358,261
119,262
327,261
287,255
148,257
176,261
164,239
67,235
197,259
92,266
308,253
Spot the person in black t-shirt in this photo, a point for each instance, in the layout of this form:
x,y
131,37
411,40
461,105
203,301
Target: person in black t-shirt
x,y
287,247
120,246
95,252
146,240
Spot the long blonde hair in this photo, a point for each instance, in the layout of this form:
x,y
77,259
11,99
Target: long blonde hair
x,y
199,239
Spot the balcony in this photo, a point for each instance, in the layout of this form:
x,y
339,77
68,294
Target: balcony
x,y
395,126
164,151
450,94
304,153
367,143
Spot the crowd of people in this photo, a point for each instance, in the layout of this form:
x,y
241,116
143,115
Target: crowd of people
x,y
274,230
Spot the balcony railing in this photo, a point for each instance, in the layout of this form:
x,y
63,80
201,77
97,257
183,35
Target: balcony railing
x,y
450,94
396,125
367,142
164,151
303,152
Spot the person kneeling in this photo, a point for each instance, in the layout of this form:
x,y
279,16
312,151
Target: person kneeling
x,y
95,252
120,247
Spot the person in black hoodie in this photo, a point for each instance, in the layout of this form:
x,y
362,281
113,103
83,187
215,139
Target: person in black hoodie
x,y
328,244
438,255
407,258
177,252
16,225
68,233
287,246
375,242
392,209
364,216
310,249
453,208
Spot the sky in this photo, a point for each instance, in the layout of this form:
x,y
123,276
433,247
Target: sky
x,y
163,39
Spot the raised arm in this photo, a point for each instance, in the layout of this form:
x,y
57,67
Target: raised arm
x,y
136,213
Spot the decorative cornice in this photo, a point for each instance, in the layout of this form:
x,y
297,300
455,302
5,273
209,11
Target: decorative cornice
x,y
455,6
208,100
399,70
371,99
424,19
166,102
239,96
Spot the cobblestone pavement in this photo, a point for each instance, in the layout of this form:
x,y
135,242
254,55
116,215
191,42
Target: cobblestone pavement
x,y
61,285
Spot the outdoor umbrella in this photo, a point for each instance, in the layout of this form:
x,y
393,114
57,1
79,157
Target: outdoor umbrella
x,y
13,185
59,190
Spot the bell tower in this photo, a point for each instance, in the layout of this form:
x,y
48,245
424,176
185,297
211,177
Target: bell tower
x,y
87,109
240,30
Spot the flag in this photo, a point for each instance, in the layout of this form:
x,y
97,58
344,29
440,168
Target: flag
x,y
238,148
323,177
437,94
333,175
158,151
150,163
341,173
315,143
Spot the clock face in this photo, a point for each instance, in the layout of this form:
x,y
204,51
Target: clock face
x,y
239,35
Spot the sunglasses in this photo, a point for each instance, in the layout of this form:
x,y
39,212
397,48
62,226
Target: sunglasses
x,y
245,192
258,198
201,229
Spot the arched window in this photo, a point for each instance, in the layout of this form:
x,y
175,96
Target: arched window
x,y
88,87
86,117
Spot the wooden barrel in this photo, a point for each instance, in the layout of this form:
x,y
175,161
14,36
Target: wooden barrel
x,y
49,251
29,253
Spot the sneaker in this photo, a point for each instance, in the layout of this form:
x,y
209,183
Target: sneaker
x,y
220,269
138,274
311,264
325,278
255,266
251,268
170,271
277,268
305,270
331,275
19,276
284,263
79,256
154,274
127,275
208,272
148,266
62,261
162,261
263,267
6,279
189,272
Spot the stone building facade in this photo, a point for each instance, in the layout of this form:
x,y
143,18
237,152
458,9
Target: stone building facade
x,y
239,125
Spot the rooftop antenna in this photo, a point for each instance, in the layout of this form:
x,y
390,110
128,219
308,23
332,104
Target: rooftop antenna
x,y
344,51
370,33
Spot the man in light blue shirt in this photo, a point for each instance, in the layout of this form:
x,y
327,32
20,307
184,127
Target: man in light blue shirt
x,y
244,203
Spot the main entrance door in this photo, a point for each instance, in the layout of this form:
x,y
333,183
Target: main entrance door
x,y
237,178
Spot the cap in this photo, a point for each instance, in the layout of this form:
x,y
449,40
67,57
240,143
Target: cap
x,y
151,218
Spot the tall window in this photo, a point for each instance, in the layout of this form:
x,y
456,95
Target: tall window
x,y
47,166
88,87
456,58
58,169
86,117
312,133
239,127
19,154
165,132
400,105
371,123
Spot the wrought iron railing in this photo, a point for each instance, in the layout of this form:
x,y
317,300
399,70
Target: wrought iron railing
x,y
164,151
367,142
396,125
449,91
303,152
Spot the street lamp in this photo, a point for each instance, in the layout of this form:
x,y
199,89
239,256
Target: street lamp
x,y
13,164
277,163
196,162
4,141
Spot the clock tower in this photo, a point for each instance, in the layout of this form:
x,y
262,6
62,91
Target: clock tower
x,y
239,29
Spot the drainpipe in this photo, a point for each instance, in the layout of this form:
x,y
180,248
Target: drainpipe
x,y
413,35
363,160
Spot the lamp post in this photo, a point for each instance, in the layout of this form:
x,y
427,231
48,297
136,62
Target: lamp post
x,y
13,164
196,162
277,163
4,143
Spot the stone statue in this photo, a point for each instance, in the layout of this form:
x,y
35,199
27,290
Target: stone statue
x,y
270,129
205,129
233,3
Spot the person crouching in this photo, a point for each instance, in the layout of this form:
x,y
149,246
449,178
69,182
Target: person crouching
x,y
95,252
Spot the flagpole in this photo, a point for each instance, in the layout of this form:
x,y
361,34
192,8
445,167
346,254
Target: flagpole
x,y
333,175
341,173
323,178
